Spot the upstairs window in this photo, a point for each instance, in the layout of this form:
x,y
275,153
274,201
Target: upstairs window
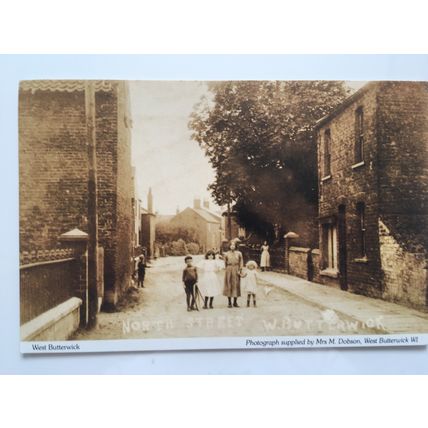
x,y
359,135
327,153
361,229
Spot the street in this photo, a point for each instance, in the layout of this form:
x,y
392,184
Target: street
x,y
159,311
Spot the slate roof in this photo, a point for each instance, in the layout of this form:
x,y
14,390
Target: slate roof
x,y
206,215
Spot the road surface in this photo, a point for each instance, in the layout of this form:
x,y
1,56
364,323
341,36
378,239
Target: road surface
x,y
159,311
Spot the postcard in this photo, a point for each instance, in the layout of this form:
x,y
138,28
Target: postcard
x,y
174,215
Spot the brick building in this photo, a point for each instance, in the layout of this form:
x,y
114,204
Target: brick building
x,y
53,157
208,225
148,227
373,193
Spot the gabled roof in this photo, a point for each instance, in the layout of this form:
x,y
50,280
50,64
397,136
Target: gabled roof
x,y
206,215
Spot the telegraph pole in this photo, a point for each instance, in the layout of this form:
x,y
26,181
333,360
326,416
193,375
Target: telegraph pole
x,y
92,203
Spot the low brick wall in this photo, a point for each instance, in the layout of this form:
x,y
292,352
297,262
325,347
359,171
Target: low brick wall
x,y
58,323
315,265
405,273
298,261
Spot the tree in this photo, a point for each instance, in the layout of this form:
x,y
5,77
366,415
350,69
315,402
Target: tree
x,y
259,137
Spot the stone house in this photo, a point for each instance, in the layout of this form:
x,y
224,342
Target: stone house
x,y
53,161
208,225
373,193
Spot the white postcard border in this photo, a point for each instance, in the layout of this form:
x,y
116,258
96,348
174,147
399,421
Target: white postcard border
x,y
225,343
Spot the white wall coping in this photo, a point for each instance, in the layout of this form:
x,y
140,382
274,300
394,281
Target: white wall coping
x,y
45,320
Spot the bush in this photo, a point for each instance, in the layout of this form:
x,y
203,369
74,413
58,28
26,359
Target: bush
x,y
178,248
192,248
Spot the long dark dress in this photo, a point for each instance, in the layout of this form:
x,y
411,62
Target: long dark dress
x,y
232,281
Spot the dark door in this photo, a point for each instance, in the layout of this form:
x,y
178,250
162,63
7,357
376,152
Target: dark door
x,y
341,230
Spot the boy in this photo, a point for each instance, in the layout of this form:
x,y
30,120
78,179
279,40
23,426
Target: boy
x,y
190,278
141,271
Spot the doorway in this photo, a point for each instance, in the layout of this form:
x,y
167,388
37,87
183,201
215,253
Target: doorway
x,y
342,248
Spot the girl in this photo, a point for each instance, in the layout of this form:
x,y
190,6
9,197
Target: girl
x,y
209,284
249,279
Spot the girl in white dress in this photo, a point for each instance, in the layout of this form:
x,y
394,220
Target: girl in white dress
x,y
209,284
249,281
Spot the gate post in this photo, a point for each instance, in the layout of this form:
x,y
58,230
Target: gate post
x,y
287,237
78,240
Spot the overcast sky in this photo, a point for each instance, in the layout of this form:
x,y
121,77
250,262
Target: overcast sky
x,y
165,157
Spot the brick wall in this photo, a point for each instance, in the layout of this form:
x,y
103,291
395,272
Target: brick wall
x,y
54,171
349,186
403,182
315,265
148,226
124,192
393,184
403,147
298,261
53,166
405,273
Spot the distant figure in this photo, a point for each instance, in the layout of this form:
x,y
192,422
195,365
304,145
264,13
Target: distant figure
x,y
190,279
265,257
249,281
141,271
232,286
208,283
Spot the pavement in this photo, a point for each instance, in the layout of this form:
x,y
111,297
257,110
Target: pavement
x,y
394,318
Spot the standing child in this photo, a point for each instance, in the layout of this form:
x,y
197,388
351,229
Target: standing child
x,y
249,279
190,278
141,271
209,284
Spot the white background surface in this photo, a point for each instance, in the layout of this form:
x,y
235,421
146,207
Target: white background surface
x,y
49,26
14,68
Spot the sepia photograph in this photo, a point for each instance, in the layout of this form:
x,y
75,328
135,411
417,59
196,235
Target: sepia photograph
x,y
159,215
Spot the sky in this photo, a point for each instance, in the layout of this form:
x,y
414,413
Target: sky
x,y
163,153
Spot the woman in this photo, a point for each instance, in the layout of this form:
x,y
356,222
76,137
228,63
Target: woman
x,y
265,257
234,263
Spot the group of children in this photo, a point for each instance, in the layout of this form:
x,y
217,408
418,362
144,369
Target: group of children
x,y
207,285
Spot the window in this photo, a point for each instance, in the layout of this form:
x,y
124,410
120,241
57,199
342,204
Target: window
x,y
361,229
329,246
359,135
327,153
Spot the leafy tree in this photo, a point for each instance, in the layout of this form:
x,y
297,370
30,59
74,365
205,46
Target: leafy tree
x,y
259,137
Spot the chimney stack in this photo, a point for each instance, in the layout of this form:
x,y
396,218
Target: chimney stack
x,y
206,204
150,201
197,204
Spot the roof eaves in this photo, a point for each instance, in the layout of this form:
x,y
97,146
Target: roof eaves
x,y
342,106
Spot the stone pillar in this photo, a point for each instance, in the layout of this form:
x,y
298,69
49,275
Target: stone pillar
x,y
288,236
78,240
